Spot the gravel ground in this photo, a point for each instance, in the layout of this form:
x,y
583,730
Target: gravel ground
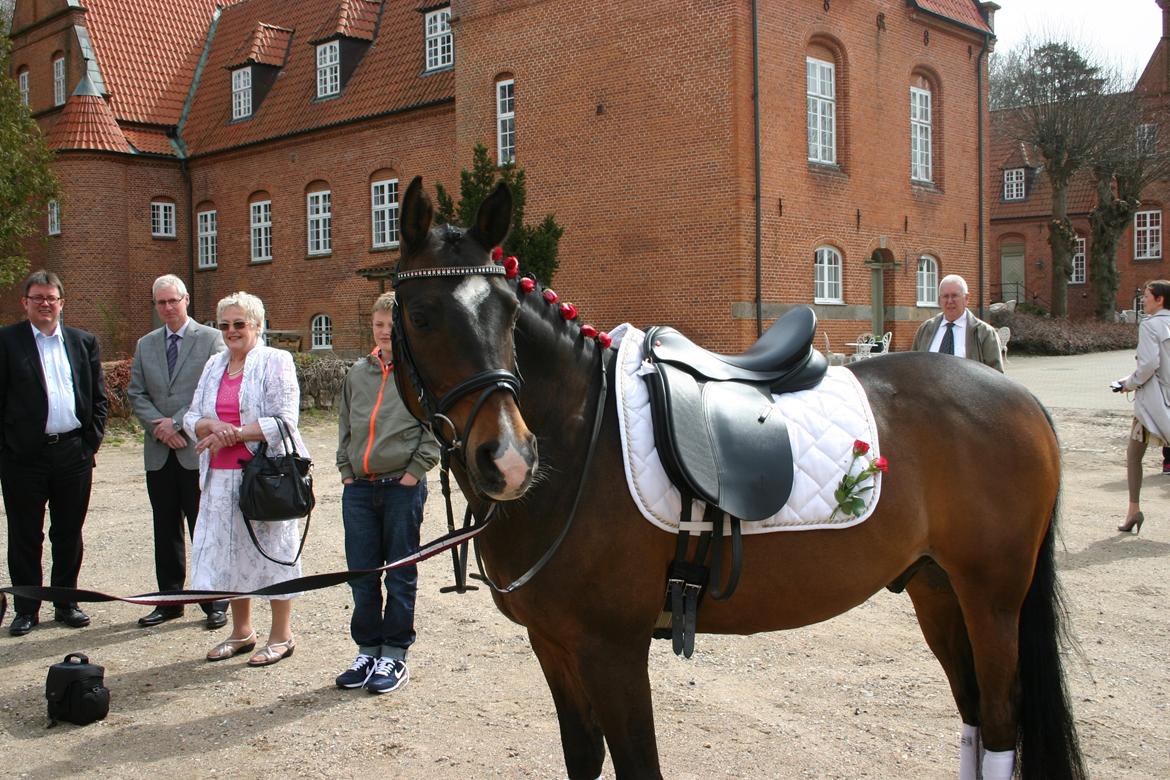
x,y
857,696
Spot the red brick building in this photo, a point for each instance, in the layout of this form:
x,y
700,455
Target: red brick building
x,y
263,146
1021,206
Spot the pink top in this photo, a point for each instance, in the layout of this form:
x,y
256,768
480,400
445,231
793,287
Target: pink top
x,y
227,408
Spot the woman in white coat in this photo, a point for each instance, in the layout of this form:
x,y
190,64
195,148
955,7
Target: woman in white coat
x,y
1151,404
241,392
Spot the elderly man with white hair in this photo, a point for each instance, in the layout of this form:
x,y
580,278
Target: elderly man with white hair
x,y
955,330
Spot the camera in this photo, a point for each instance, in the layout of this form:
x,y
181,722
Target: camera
x,y
1116,387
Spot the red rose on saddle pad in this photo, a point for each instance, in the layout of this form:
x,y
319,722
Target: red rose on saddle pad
x,y
849,491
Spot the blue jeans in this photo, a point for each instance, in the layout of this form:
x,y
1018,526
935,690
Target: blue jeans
x,y
382,521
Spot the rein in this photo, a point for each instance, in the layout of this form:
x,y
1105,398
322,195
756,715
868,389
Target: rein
x,y
488,381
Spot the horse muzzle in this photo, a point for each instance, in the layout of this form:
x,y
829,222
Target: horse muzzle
x,y
503,468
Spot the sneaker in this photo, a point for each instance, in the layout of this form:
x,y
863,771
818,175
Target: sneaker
x,y
390,674
357,675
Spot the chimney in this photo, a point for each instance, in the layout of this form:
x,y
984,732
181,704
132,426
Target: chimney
x,y
987,9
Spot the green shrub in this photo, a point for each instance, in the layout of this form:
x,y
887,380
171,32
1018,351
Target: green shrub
x,y
320,375
1038,335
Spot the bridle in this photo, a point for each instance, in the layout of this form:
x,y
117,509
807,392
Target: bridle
x,y
487,382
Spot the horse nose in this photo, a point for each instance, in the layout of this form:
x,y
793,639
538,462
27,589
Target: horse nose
x,y
509,463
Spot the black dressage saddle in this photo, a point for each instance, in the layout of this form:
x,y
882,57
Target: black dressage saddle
x,y
715,426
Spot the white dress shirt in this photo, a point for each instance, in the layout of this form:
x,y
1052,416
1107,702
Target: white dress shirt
x,y
960,331
58,381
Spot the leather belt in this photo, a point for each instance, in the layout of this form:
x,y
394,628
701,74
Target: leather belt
x,y
55,438
378,479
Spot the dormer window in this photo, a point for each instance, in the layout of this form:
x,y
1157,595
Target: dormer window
x,y
242,93
328,69
59,81
440,52
1013,184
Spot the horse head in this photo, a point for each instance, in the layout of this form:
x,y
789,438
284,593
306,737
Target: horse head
x,y
453,336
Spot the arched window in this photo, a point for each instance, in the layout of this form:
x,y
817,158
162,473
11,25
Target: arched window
x,y
22,83
827,276
322,329
505,121
921,132
821,97
927,281
1079,267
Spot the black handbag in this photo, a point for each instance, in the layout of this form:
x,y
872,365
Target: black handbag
x,y
76,691
277,488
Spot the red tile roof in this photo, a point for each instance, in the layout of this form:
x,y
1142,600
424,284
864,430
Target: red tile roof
x,y
148,51
149,141
86,122
1007,152
352,19
267,45
390,76
965,12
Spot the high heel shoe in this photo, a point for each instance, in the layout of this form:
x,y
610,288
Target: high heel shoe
x,y
1134,524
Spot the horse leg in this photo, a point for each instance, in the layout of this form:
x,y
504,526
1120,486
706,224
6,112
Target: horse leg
x,y
581,738
616,680
941,619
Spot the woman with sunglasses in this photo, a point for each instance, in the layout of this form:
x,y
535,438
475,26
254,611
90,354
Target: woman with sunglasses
x,y
241,393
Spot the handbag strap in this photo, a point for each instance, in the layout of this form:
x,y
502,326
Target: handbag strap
x,y
300,549
286,438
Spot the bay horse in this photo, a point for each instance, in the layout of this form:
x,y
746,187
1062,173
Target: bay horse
x,y
965,523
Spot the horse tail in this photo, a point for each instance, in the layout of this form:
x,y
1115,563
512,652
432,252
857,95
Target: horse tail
x,y
1048,744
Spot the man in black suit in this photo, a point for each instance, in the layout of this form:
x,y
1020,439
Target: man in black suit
x,y
52,419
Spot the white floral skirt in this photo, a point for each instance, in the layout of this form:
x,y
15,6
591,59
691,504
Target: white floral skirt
x,y
223,556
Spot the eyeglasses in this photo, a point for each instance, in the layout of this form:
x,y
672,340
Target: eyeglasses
x,y
237,325
39,299
169,302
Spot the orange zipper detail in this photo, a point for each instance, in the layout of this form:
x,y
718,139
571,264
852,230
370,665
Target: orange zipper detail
x,y
374,415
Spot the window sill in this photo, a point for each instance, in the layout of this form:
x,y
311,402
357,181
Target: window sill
x,y
54,235
386,248
440,69
1147,259
161,237
926,305
821,302
826,169
207,267
925,187
318,255
262,261
328,348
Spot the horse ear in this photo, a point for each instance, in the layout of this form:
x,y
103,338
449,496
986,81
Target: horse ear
x,y
417,213
494,217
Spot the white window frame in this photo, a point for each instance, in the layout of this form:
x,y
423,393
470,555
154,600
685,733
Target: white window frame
x,y
22,80
261,224
319,206
207,227
54,217
440,53
506,121
926,281
321,330
1079,267
1014,187
384,213
821,93
242,92
921,135
1147,235
1147,138
828,276
162,219
59,81
329,69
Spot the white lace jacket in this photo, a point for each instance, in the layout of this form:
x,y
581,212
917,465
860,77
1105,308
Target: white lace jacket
x,y
269,389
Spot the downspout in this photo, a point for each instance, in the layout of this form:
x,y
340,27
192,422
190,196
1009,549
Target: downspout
x,y
981,153
186,172
759,176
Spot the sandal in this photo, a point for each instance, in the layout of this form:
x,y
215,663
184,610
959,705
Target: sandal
x,y
273,652
232,647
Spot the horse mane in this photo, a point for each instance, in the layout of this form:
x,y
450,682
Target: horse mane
x,y
567,331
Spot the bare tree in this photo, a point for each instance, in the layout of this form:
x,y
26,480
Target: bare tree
x,y
6,7
1127,159
1060,106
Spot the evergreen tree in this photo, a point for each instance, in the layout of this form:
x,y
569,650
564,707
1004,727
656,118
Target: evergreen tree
x,y
26,182
535,246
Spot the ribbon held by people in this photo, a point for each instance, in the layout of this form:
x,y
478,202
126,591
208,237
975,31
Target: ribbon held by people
x,y
850,502
296,585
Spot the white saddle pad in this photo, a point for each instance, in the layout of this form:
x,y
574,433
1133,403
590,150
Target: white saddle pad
x,y
822,425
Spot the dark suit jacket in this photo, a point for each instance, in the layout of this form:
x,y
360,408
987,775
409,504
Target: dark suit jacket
x,y
24,401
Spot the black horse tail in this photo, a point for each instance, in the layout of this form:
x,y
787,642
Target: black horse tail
x,y
1048,748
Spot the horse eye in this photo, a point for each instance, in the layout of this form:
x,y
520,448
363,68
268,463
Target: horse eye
x,y
419,319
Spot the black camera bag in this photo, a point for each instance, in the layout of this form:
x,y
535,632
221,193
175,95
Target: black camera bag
x,y
76,691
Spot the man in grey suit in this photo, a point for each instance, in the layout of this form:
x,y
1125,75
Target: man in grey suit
x,y
956,331
167,365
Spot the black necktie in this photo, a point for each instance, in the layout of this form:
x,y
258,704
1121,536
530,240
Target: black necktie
x,y
947,347
172,353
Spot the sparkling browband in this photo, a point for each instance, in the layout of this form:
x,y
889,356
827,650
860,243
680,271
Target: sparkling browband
x,y
465,270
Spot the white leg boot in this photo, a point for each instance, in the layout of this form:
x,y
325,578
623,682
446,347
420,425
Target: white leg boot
x,y
969,752
998,764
